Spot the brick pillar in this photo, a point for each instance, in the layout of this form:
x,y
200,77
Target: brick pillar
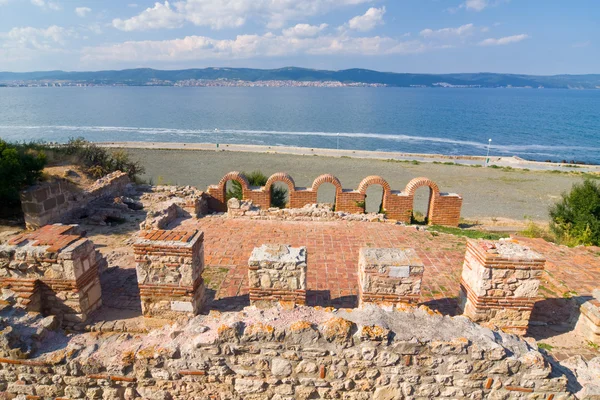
x,y
277,275
53,270
169,267
389,277
588,324
499,284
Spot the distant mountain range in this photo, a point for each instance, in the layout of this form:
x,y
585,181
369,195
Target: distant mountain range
x,y
146,76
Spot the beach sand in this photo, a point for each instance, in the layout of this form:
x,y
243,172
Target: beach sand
x,y
488,193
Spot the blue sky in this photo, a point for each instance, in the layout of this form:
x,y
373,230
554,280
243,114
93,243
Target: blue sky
x,y
429,36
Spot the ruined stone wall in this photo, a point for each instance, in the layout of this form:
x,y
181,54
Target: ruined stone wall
x,y
499,283
389,277
169,267
277,275
444,208
59,200
297,359
53,270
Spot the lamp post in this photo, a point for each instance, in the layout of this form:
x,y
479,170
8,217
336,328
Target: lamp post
x,y
487,157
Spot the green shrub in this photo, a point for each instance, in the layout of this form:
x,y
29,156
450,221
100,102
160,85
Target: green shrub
x,y
20,165
257,178
97,161
575,220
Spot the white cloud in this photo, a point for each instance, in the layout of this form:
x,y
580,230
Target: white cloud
x,y
463,30
46,4
248,46
159,16
476,5
35,38
82,11
367,21
503,40
304,30
220,14
582,44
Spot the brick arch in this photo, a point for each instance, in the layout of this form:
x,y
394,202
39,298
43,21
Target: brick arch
x,y
416,183
235,176
281,177
374,180
327,178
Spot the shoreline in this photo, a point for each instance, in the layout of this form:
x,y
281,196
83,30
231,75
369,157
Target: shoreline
x,y
497,161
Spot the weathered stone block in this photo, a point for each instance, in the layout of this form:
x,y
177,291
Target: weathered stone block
x,y
389,276
588,324
499,283
53,270
277,274
169,267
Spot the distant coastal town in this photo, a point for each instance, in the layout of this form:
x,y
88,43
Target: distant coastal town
x,y
292,77
197,83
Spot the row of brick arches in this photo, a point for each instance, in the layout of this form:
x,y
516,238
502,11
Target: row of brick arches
x,y
443,208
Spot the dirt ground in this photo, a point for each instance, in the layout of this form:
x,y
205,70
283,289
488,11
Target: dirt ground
x,y
488,193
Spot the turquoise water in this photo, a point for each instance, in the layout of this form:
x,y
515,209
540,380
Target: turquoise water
x,y
533,124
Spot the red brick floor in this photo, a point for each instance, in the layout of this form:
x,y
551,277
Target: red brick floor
x,y
333,247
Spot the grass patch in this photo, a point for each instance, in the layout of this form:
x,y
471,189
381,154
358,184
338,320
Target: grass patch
x,y
593,345
545,346
470,233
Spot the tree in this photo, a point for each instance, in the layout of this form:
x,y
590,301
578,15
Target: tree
x,y
19,167
576,218
257,178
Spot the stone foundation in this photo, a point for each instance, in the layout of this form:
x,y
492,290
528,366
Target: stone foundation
x,y
588,324
169,267
277,275
53,270
389,277
499,284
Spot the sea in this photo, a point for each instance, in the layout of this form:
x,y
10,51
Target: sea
x,y
534,124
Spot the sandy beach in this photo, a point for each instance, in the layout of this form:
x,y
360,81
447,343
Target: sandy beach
x,y
489,193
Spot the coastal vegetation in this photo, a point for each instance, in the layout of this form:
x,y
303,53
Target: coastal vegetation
x,y
257,178
575,220
20,165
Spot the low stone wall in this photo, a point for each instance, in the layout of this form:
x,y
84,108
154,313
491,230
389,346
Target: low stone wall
x,y
277,275
389,277
299,354
53,270
499,283
164,204
309,212
169,267
60,200
444,208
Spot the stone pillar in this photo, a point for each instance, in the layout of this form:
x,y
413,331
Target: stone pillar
x,y
169,267
53,270
588,324
499,284
277,275
389,277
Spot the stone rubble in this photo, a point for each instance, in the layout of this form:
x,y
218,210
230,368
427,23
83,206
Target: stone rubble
x,y
310,212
